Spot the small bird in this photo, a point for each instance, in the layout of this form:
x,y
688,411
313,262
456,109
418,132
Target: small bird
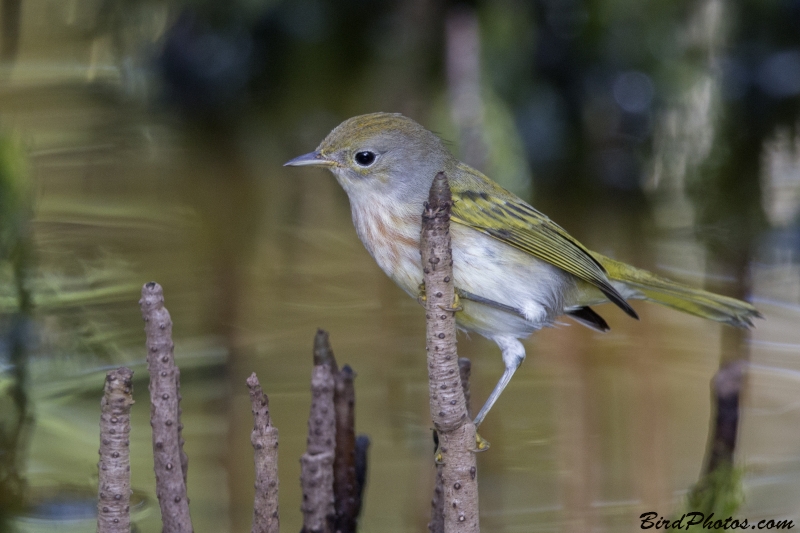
x,y
514,269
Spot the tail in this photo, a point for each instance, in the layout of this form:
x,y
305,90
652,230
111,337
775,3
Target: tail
x,y
693,301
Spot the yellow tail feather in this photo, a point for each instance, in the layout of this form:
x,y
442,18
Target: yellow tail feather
x,y
687,299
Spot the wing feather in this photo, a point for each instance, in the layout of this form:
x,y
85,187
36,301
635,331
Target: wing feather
x,y
486,207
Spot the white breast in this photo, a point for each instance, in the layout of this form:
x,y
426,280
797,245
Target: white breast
x,y
392,238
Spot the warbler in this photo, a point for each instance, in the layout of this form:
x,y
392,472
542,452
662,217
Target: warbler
x,y
514,269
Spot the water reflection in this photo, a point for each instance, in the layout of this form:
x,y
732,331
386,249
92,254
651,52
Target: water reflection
x,y
594,430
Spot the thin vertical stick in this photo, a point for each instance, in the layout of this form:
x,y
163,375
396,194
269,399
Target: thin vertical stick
x,y
316,477
17,248
720,487
265,448
462,61
164,417
345,486
362,447
114,485
448,405
727,389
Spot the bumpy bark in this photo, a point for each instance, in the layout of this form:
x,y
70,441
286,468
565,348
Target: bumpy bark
x,y
447,402
345,485
265,447
114,486
164,412
316,477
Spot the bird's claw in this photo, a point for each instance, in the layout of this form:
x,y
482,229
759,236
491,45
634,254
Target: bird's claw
x,y
421,296
481,444
438,458
456,305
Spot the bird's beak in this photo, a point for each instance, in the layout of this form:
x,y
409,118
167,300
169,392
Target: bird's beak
x,y
310,159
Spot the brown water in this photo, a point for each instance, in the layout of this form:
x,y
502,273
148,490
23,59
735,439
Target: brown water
x,y
594,430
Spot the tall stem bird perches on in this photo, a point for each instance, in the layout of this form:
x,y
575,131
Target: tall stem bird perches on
x,y
515,270
456,433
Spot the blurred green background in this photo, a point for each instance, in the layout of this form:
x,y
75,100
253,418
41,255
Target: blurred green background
x,y
143,140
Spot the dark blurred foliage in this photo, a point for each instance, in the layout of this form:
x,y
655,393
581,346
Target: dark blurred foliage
x,y
585,80
586,115
206,69
760,75
10,11
217,59
557,64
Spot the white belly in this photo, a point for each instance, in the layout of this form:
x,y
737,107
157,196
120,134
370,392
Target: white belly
x,y
482,266
488,268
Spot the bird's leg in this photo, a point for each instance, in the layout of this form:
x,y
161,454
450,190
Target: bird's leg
x,y
421,296
513,355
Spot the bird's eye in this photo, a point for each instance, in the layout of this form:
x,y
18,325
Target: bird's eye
x,y
365,159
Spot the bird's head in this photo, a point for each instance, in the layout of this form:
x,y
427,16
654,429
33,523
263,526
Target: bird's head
x,y
381,153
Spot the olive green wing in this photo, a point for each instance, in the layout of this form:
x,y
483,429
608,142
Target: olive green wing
x,y
496,212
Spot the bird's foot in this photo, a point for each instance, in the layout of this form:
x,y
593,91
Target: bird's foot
x,y
456,305
438,458
481,444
